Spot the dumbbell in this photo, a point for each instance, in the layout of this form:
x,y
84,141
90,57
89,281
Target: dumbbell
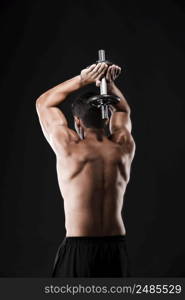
x,y
103,100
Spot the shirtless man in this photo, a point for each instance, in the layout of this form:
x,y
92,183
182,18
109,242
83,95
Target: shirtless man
x,y
93,171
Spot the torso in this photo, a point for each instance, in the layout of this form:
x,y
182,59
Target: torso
x,y
92,181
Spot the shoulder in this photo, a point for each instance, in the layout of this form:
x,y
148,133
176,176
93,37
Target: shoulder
x,y
62,139
123,137
63,132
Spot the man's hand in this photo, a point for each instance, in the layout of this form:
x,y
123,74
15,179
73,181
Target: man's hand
x,y
94,73
112,73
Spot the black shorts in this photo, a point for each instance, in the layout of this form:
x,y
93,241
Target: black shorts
x,y
92,257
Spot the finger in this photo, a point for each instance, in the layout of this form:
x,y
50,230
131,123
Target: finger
x,y
112,72
108,74
96,68
101,68
98,83
109,70
91,68
99,78
101,75
118,69
115,73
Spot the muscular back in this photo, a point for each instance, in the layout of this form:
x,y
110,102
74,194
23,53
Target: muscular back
x,y
92,180
92,173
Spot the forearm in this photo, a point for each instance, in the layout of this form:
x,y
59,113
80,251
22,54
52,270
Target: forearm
x,y
122,105
58,94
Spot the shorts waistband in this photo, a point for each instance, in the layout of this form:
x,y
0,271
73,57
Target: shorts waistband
x,y
100,239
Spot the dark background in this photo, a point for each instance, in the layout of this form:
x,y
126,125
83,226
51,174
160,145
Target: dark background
x,y
46,42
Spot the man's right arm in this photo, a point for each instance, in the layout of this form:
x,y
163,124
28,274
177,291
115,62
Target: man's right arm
x,y
120,118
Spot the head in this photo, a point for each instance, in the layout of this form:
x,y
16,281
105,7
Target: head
x,y
87,118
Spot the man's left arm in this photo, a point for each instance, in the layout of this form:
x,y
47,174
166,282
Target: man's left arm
x,y
50,116
53,121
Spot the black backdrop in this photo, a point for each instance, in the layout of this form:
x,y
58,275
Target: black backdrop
x,y
46,42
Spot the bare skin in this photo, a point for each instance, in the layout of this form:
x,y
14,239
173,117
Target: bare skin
x,y
92,172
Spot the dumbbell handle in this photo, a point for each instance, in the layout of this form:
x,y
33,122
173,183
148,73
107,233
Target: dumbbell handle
x,y
103,100
103,84
101,55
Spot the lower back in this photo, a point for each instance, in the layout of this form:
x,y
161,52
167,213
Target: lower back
x,y
93,223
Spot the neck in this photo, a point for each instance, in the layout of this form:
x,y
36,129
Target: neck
x,y
94,132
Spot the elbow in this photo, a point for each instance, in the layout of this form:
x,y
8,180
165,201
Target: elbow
x,y
123,108
41,101
128,110
37,103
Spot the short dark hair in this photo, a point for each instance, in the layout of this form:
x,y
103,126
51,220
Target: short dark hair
x,y
90,115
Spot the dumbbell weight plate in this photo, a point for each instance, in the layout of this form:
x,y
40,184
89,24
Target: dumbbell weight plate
x,y
99,100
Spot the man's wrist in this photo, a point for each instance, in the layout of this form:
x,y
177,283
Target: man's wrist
x,y
82,81
110,86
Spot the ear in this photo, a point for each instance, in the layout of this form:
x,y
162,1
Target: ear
x,y
77,120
